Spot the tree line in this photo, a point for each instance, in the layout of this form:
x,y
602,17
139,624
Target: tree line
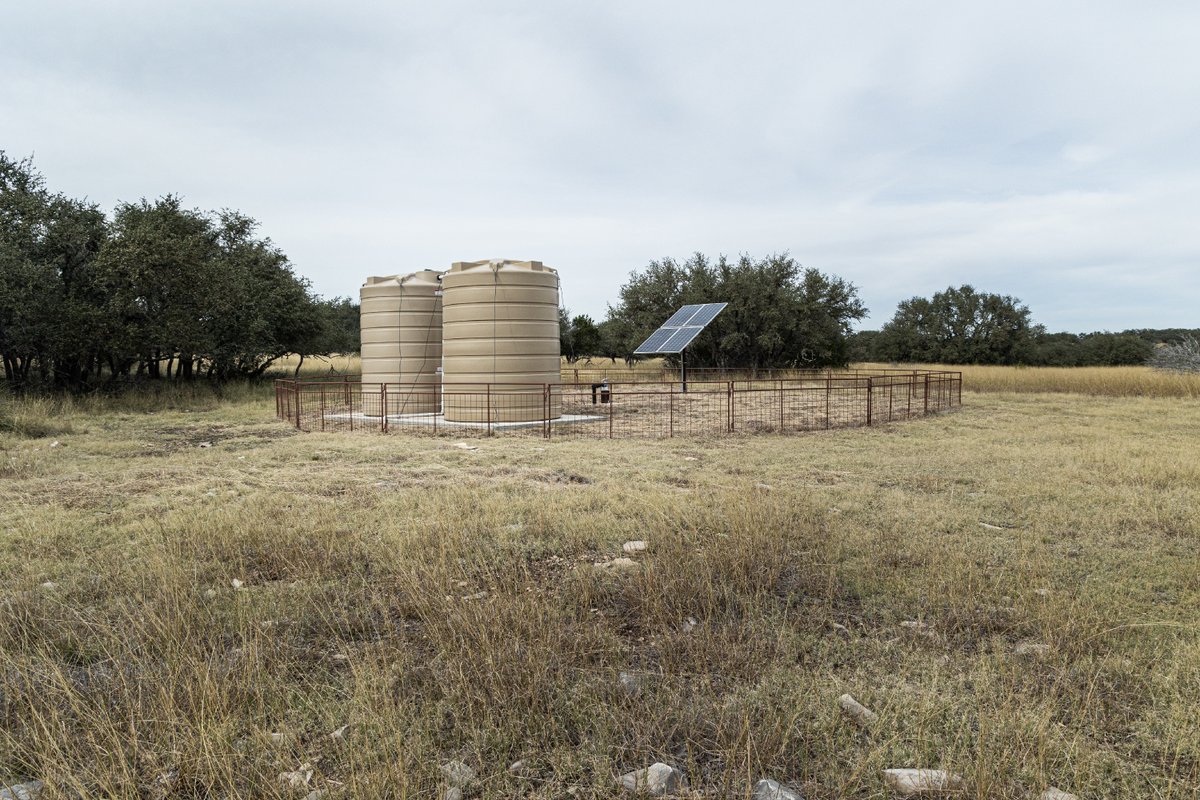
x,y
154,291
962,325
783,316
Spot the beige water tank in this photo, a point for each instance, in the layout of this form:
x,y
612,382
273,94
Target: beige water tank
x,y
402,343
500,341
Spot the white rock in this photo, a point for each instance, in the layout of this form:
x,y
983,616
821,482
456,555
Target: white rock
x,y
49,585
518,768
316,794
237,583
861,715
908,782
658,780
767,789
21,791
1043,592
340,734
763,487
839,628
1054,793
617,564
453,793
276,738
689,625
297,779
636,546
204,444
210,593
632,682
465,446
55,444
457,773
1034,649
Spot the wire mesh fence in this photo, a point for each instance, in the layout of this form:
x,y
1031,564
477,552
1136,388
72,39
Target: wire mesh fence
x,y
611,409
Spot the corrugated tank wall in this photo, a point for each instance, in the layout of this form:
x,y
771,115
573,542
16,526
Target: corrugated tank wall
x,y
500,327
402,342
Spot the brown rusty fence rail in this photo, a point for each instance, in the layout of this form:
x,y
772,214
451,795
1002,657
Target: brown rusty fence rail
x,y
816,401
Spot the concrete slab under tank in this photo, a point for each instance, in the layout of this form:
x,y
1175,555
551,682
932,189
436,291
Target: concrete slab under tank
x,y
439,420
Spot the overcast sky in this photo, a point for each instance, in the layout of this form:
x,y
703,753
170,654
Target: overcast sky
x,y
1049,150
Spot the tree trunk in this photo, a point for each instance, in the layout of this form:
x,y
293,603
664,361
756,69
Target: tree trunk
x,y
301,364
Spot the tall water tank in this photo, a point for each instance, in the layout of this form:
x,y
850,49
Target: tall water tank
x,y
500,342
402,343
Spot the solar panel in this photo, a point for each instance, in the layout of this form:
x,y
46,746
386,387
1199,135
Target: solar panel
x,y
679,331
681,316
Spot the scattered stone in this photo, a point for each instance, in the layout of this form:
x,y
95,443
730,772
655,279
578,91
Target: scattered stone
x,y
632,682
465,446
476,596
767,789
689,625
55,444
1043,592
617,564
457,773
237,583
297,779
658,780
908,782
1054,793
21,791
204,445
1034,649
763,487
316,794
49,585
637,546
856,711
340,734
276,738
519,769
339,658
690,458
210,593
840,629
453,793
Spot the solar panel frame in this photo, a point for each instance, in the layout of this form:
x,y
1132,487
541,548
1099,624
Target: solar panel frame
x,y
680,329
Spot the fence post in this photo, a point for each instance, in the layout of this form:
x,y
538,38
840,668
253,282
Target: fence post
x,y
346,383
828,399
612,403
730,396
546,411
869,398
297,406
322,406
781,405
671,410
890,391
383,407
488,400
926,392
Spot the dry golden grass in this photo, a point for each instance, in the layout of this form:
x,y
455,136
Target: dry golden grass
x,y
1099,381
143,672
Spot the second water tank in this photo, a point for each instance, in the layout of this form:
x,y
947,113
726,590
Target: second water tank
x,y
500,342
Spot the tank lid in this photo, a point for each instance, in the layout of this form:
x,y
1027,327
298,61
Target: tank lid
x,y
496,264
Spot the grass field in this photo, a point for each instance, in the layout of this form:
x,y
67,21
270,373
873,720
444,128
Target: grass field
x,y
443,604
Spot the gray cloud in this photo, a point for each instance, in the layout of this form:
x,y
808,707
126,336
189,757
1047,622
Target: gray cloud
x,y
1042,150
